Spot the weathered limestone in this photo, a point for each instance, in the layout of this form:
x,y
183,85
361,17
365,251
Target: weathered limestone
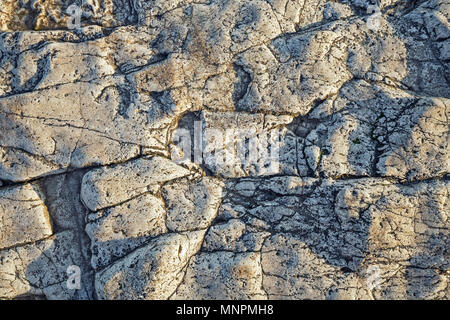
x,y
292,270
341,230
191,205
40,269
65,117
23,216
118,230
53,14
222,275
234,235
237,144
370,139
110,186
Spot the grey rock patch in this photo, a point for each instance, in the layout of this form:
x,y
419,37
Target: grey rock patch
x,y
150,272
191,205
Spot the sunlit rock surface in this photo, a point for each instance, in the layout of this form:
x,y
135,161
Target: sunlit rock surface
x,y
264,149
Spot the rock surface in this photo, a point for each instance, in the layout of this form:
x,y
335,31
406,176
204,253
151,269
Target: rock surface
x,y
24,217
264,149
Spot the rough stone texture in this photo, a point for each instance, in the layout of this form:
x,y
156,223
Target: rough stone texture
x,y
321,245
191,205
223,275
118,230
347,198
23,215
106,187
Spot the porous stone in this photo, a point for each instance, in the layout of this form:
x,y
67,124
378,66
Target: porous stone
x,y
106,187
23,215
223,275
191,205
42,269
118,230
151,272
185,149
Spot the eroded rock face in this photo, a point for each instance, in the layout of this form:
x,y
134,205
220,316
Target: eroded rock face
x,y
24,217
151,272
191,205
120,229
107,187
180,149
40,269
59,14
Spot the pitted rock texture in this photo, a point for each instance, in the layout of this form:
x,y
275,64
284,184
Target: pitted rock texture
x,y
347,198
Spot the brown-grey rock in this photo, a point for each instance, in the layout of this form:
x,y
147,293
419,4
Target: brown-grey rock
x,y
110,186
264,149
23,215
151,272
